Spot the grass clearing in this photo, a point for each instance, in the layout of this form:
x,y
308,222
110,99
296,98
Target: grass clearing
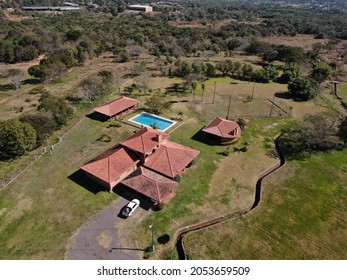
x,y
39,215
301,216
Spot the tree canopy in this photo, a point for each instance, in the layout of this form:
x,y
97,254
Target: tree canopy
x,y
16,138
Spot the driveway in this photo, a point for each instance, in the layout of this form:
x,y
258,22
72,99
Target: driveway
x,y
98,238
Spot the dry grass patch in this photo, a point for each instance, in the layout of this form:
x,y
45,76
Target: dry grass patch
x,y
304,41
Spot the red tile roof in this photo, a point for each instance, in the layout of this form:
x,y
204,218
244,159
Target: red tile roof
x,y
114,107
223,128
149,183
171,158
145,140
111,164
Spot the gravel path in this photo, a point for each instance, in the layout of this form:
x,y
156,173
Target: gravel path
x,y
98,238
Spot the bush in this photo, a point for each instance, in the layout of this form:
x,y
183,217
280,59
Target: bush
x,y
165,238
38,90
244,149
303,89
177,178
104,138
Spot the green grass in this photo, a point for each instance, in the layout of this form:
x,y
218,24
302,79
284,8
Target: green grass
x,y
343,92
40,210
192,191
301,216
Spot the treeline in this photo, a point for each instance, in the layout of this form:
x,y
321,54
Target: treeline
x,y
87,33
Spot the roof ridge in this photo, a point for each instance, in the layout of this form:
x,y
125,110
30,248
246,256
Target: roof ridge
x,y
220,129
158,192
143,144
168,157
155,182
109,169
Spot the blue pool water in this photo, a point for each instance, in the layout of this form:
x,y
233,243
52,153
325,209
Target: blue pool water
x,y
149,119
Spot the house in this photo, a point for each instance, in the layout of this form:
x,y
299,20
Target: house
x,y
151,184
111,167
144,162
117,108
222,130
141,8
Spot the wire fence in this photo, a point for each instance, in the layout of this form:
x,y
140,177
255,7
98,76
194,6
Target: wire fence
x,y
36,155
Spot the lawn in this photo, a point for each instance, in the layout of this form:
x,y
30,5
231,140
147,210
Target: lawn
x,y
215,184
302,216
41,210
343,92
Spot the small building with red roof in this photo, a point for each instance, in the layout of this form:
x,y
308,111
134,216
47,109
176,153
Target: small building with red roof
x,y
151,184
118,107
171,159
222,130
111,167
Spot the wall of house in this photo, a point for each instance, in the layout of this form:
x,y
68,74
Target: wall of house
x,y
99,181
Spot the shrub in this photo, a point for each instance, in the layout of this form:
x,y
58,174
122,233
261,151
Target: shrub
x,y
104,138
163,239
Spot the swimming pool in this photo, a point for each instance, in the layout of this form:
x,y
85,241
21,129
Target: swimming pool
x,y
150,120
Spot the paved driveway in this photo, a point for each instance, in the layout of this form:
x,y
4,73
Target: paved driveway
x,y
98,238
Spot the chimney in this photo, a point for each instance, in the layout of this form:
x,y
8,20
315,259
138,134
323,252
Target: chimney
x,y
159,137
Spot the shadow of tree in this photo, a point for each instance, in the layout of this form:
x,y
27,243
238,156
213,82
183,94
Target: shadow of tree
x,y
7,87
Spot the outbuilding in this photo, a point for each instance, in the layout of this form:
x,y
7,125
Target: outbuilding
x,y
222,130
118,107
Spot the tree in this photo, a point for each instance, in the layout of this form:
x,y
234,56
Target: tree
x,y
91,89
290,55
106,76
118,80
289,75
183,69
157,104
15,77
302,89
57,106
342,131
210,70
225,67
143,82
320,74
73,35
16,138
247,71
39,71
43,123
315,133
202,91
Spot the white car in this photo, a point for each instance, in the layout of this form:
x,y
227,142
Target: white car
x,y
130,207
